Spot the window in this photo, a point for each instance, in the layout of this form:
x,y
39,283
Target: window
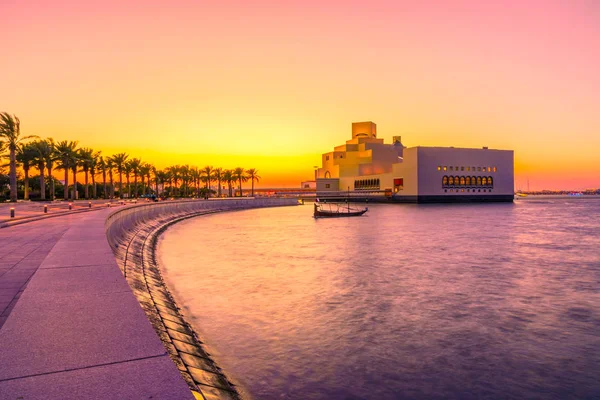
x,y
494,169
439,168
445,181
398,184
451,168
478,168
490,181
456,168
462,190
445,168
489,169
327,186
478,181
451,181
462,181
484,181
326,158
468,181
468,168
446,190
462,168
456,181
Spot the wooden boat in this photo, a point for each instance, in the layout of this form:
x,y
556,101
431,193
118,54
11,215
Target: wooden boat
x,y
336,210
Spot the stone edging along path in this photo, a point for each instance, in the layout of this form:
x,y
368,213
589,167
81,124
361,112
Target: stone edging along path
x,y
134,243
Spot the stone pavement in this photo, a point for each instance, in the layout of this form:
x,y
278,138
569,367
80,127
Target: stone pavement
x,y
72,327
26,211
22,250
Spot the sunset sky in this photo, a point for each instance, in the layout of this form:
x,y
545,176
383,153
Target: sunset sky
x,y
273,84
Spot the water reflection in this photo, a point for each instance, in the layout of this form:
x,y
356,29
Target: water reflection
x,y
485,301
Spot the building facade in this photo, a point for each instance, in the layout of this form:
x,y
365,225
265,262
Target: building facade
x,y
366,167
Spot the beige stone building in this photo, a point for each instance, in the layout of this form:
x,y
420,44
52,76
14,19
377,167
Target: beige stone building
x,y
369,168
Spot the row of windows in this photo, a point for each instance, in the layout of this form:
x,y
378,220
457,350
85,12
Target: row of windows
x,y
366,184
467,181
468,190
474,169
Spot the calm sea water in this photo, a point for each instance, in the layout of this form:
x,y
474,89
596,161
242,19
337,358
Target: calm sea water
x,y
410,301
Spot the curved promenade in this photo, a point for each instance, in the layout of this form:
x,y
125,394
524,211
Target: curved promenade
x,y
71,325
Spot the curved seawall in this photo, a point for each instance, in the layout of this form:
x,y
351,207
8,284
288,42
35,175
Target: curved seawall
x,y
132,234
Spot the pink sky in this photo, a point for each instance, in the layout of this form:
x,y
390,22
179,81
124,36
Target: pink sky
x,y
273,84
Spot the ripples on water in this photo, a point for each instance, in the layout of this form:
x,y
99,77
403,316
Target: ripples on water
x,y
411,301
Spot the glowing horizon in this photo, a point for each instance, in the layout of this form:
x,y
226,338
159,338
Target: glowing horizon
x,y
273,85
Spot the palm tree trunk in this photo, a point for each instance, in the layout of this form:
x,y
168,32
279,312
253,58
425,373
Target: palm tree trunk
x,y
120,184
86,191
240,186
104,182
26,172
94,190
135,185
252,186
66,183
13,174
219,187
42,182
51,183
128,187
74,184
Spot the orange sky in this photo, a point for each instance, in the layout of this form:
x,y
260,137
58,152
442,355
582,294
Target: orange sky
x,y
273,84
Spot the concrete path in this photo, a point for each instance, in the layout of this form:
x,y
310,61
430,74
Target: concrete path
x,y
76,330
22,250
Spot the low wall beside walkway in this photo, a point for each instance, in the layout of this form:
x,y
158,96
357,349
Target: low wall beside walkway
x,y
123,220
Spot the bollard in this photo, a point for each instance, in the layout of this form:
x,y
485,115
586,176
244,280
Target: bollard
x,y
107,204
70,206
89,204
45,209
12,212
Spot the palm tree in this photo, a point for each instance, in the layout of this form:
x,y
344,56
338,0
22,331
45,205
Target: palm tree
x,y
144,170
50,164
119,163
110,167
156,178
184,170
238,173
135,164
66,155
43,151
76,162
218,175
174,175
207,173
127,168
86,160
26,156
102,167
93,171
228,177
195,177
10,130
252,174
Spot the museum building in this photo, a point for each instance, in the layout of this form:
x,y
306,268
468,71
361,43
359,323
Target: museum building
x,y
366,167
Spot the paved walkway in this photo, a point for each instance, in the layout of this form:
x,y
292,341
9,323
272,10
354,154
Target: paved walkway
x,y
23,249
72,328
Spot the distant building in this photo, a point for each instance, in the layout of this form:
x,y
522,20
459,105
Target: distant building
x,y
308,185
366,165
